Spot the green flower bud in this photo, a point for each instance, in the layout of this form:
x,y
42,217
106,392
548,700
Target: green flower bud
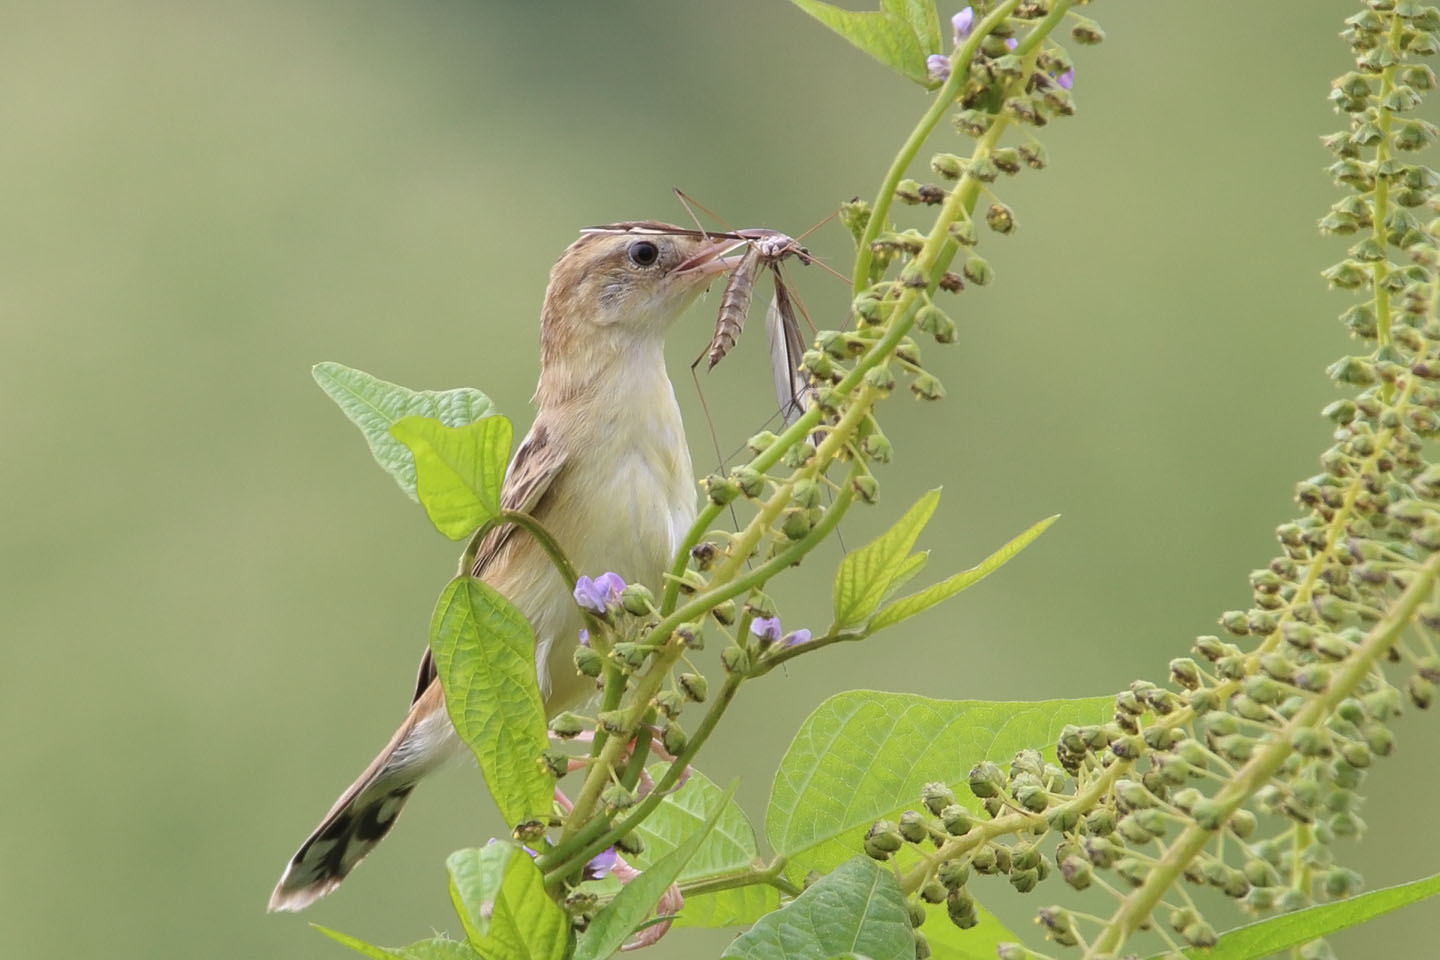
x,y
567,725
750,481
963,232
866,488
617,797
695,687
724,612
956,820
630,654
927,387
669,703
1132,870
933,892
1087,32
636,599
948,165
977,271
883,839
1199,934
934,321
954,874
960,907
1100,822
735,659
984,861
1000,218
588,661
986,780
720,490
673,739
913,827
1024,880
936,797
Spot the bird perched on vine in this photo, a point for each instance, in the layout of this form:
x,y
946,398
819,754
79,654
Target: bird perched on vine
x,y
604,468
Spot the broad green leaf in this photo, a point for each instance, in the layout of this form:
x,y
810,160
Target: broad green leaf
x,y
620,918
922,18
485,656
374,405
977,943
886,37
500,896
1269,936
907,607
459,470
730,847
865,755
856,908
436,948
865,575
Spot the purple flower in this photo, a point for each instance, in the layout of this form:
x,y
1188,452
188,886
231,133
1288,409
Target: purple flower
x,y
795,637
584,637
1066,79
963,22
1011,43
601,864
937,65
593,595
611,584
766,628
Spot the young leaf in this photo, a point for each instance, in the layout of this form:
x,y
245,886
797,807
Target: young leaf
x,y
907,607
886,37
857,908
459,470
374,405
500,896
436,948
485,656
623,915
730,847
1274,934
865,575
865,755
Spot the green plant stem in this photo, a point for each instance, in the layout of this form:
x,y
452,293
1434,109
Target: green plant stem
x,y
1136,908
572,852
944,99
772,874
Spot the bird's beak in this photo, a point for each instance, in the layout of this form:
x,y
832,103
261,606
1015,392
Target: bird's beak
x,y
709,262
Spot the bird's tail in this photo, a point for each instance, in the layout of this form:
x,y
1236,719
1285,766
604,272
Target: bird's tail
x,y
365,812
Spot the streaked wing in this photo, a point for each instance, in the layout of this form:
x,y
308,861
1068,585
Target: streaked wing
x,y
531,476
782,333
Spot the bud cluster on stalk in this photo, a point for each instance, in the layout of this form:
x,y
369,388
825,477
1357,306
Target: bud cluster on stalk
x,y
1258,744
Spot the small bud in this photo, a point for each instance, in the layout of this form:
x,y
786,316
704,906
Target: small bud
x,y
674,739
588,661
953,874
986,780
720,490
617,797
956,820
913,827
883,839
669,703
735,659
866,487
977,271
1000,218
1087,32
636,599
927,387
694,686
936,797
948,165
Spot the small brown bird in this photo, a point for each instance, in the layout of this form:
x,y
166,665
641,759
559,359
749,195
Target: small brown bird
x,y
604,467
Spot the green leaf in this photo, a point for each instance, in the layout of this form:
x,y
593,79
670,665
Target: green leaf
x,y
729,848
857,908
436,948
374,405
907,607
485,656
907,571
922,18
865,575
886,37
500,896
865,755
1265,937
459,470
614,924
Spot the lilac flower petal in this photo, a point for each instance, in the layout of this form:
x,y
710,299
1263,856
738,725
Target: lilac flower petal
x,y
533,853
611,584
584,637
766,628
1066,79
796,637
589,595
601,864
1011,43
937,65
963,22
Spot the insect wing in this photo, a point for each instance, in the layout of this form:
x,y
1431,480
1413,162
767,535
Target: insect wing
x,y
782,334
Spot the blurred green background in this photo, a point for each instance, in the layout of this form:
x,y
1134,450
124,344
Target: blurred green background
x,y
213,602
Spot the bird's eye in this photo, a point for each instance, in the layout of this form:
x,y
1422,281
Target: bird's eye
x,y
643,253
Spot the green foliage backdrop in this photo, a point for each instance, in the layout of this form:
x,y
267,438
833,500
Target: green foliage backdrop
x,y
214,603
